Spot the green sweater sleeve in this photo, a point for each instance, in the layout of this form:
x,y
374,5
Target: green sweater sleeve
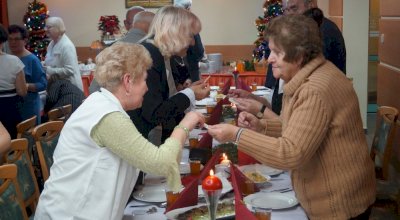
x,y
117,132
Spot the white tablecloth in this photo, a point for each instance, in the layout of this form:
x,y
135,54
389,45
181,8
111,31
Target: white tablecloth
x,y
280,182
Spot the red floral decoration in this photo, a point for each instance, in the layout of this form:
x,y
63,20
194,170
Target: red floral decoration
x,y
109,24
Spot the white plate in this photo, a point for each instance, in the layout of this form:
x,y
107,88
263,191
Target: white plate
x,y
204,101
150,194
271,200
226,185
264,170
261,92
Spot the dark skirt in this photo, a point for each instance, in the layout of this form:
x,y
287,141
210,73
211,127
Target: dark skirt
x,y
9,114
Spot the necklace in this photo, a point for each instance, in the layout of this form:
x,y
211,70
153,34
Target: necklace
x,y
180,63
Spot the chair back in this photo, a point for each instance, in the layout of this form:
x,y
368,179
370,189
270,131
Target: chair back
x,y
46,138
60,114
18,155
382,141
24,130
11,203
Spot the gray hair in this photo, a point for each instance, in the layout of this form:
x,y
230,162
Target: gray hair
x,y
186,4
143,16
57,23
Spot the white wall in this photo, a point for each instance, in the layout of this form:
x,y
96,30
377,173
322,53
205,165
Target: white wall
x,y
355,33
225,22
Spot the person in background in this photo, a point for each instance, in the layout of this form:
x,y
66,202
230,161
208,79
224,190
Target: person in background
x,y
60,92
132,11
171,33
100,149
34,75
137,30
194,54
5,142
61,57
12,85
334,48
319,136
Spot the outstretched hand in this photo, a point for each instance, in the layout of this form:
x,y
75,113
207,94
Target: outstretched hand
x,y
223,132
248,120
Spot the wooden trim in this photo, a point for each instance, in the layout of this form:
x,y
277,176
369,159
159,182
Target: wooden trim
x,y
4,13
389,8
229,52
389,48
336,8
338,21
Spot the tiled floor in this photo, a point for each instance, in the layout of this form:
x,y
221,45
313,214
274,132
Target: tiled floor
x,y
379,211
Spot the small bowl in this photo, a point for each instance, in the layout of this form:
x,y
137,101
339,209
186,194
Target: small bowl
x,y
258,178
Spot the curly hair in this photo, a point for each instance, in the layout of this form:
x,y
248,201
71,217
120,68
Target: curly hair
x,y
297,35
120,58
18,29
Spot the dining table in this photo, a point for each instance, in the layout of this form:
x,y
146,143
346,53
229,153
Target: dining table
x,y
140,209
148,199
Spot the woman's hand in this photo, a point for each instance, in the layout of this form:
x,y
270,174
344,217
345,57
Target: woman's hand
x,y
248,105
201,90
191,119
239,93
223,132
247,120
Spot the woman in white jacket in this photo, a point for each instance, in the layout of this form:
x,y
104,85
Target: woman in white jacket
x,y
61,55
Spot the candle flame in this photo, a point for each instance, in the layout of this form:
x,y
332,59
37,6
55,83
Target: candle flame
x,y
235,68
211,172
224,156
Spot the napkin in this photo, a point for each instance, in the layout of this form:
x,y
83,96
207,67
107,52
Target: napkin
x,y
227,86
188,196
205,141
242,85
241,211
244,159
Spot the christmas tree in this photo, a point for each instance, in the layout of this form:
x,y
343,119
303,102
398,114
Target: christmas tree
x,y
272,8
34,20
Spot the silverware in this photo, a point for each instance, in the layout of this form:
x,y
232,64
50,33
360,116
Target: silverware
x,y
159,205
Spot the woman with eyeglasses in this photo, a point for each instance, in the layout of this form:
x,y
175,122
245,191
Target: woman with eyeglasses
x,y
12,85
35,77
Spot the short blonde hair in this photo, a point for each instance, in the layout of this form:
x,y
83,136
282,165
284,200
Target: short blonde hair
x,y
57,23
120,58
173,29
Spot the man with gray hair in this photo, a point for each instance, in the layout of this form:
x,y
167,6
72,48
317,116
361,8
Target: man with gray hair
x,y
140,27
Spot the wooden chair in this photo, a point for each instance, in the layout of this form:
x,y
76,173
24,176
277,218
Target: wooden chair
x,y
60,114
18,155
11,203
46,137
382,142
24,130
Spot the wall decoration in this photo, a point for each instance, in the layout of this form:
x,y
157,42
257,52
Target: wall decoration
x,y
148,3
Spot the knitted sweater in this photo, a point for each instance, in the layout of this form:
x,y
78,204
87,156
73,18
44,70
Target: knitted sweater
x,y
321,141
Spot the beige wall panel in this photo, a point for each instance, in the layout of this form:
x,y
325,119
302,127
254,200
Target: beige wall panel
x,y
336,8
389,49
338,21
390,8
388,82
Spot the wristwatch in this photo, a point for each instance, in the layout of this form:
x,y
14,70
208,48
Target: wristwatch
x,y
260,114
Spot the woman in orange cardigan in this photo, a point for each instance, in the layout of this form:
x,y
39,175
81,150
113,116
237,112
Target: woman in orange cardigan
x,y
319,136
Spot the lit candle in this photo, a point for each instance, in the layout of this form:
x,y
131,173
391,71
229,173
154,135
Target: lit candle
x,y
212,188
225,160
211,183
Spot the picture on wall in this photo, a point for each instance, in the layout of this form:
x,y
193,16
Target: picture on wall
x,y
148,3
